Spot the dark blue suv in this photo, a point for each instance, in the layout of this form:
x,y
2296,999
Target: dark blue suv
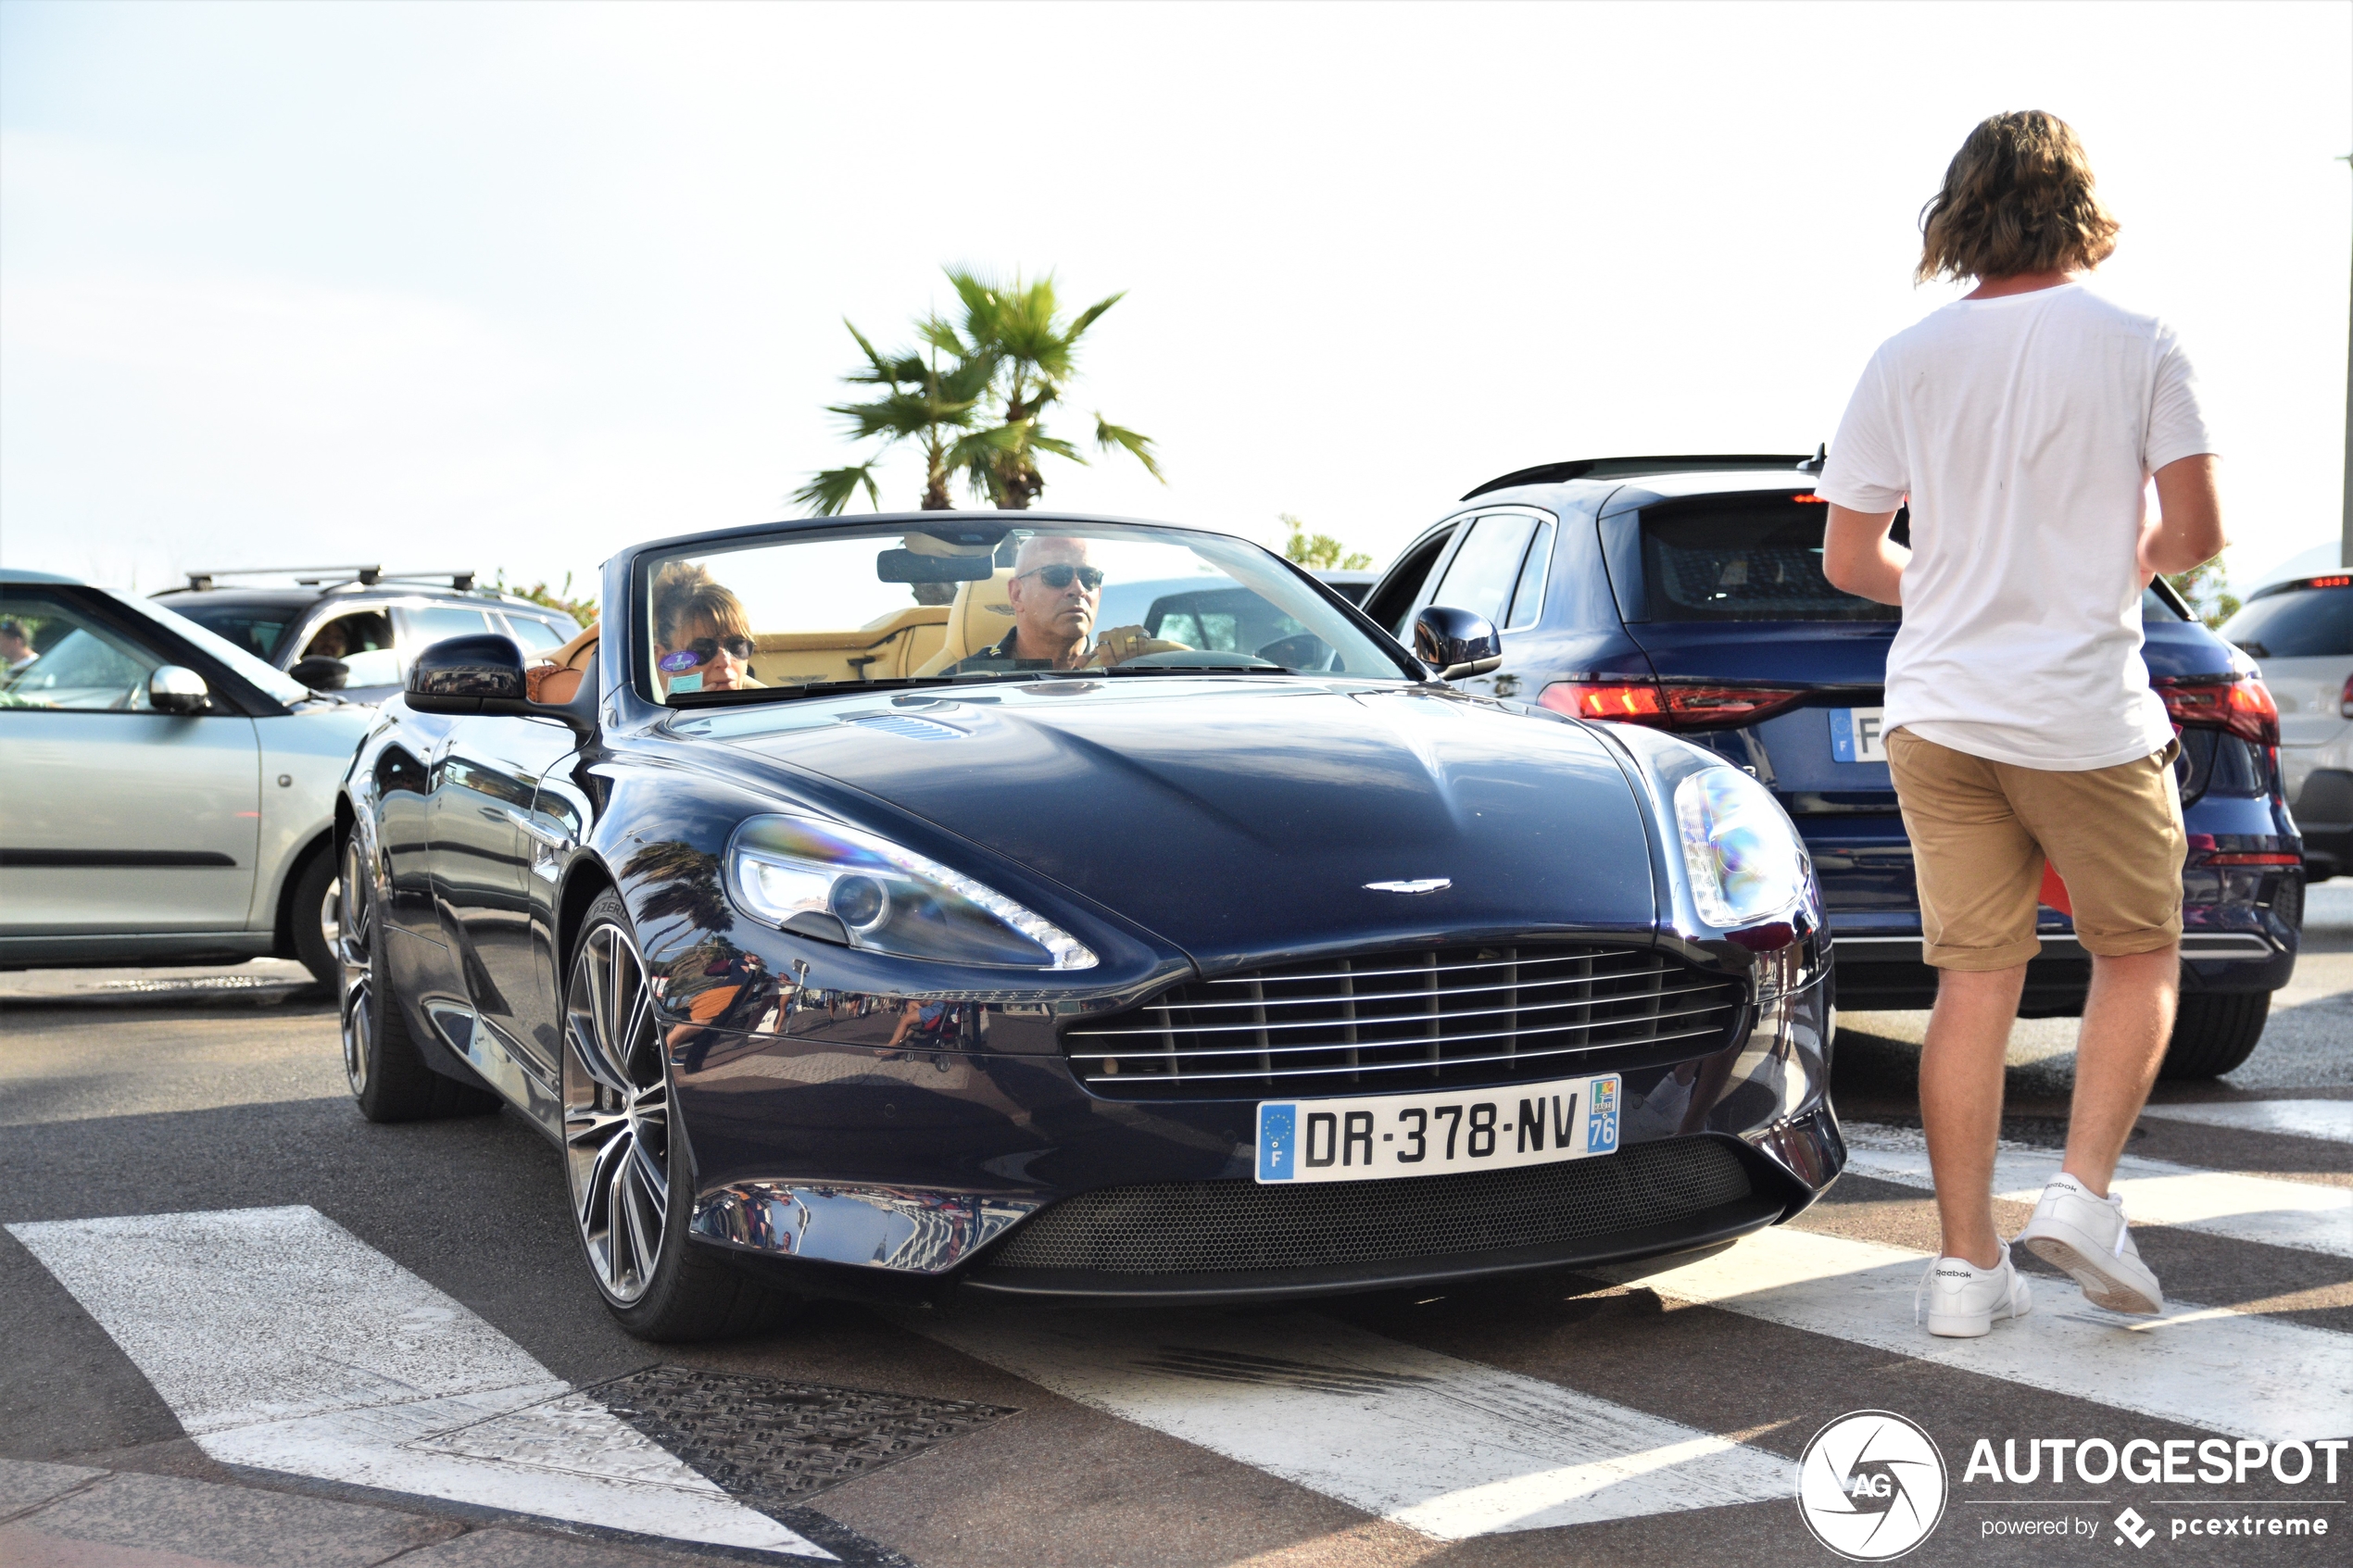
x,y
1687,593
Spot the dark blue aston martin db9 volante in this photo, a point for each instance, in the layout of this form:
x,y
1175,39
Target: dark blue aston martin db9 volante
x,y
871,921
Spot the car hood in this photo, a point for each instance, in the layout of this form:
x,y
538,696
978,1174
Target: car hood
x,y
1242,820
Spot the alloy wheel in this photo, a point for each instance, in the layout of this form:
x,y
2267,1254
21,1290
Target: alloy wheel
x,y
349,939
616,1113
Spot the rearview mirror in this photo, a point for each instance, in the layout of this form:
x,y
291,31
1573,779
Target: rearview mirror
x,y
175,688
907,566
1455,642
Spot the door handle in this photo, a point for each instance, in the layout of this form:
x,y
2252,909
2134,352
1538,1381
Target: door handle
x,y
554,838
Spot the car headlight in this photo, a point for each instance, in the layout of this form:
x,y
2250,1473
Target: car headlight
x,y
1745,863
807,875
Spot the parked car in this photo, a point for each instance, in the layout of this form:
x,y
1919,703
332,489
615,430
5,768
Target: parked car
x,y
169,797
1212,974
2301,633
355,634
1686,594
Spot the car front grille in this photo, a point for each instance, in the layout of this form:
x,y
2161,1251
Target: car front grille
x,y
1461,1017
1237,1226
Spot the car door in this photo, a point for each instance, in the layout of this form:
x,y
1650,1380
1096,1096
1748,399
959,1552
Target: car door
x,y
486,849
115,817
1499,570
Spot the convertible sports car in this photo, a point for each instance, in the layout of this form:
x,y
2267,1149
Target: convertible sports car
x,y
869,921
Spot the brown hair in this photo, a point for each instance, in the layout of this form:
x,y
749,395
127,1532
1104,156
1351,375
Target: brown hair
x,y
685,592
2017,197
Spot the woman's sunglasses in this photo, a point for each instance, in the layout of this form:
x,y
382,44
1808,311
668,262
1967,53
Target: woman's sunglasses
x,y
1059,575
702,650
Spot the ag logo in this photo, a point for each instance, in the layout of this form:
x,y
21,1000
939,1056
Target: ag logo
x,y
1870,1485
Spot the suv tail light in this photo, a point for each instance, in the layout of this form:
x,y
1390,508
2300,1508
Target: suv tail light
x,y
2345,699
1670,705
2240,704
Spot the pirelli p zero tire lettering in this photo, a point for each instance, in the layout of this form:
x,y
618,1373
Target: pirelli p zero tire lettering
x,y
627,1166
389,1079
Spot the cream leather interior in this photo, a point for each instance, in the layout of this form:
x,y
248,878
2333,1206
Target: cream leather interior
x,y
979,617
893,645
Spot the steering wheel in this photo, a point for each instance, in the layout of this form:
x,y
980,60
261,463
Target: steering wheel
x,y
1301,650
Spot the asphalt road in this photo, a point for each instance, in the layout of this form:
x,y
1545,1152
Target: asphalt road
x,y
1572,1419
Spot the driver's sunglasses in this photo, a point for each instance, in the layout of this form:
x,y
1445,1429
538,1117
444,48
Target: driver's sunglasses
x,y
704,650
1059,575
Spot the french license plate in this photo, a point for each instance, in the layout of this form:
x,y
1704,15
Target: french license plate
x,y
1373,1138
1854,735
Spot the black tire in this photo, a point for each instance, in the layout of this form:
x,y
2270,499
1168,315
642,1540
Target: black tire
x,y
317,917
2214,1033
388,1076
627,1170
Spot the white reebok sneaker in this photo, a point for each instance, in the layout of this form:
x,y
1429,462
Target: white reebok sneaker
x,y
2088,1238
1963,1300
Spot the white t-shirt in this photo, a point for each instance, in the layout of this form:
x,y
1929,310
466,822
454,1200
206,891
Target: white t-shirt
x,y
2024,430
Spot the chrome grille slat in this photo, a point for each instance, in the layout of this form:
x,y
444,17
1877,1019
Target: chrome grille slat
x,y
1363,1022
1409,1041
1458,1016
1417,1066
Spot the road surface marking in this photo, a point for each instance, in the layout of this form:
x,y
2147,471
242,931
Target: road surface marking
x,y
2224,1372
283,1342
2330,1118
2303,1215
1446,1447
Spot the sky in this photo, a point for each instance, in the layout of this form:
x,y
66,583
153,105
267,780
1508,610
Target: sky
x,y
510,287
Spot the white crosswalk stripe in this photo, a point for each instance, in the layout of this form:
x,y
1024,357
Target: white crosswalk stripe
x,y
1443,1445
283,1342
2303,1215
2224,1372
2330,1118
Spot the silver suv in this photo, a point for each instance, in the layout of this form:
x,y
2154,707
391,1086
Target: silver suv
x,y
353,629
2301,633
168,797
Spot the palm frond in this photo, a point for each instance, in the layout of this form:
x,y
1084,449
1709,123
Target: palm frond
x,y
1110,436
1055,445
1086,317
829,493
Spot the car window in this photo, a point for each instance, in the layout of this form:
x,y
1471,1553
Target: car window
x,y
1485,570
362,640
976,602
534,635
1392,600
241,663
256,630
2300,623
61,657
1744,558
1528,595
426,627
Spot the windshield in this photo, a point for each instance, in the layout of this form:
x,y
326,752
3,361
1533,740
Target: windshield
x,y
2300,623
255,628
283,688
976,601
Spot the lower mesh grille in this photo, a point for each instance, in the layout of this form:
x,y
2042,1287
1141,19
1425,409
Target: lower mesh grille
x,y
1219,1227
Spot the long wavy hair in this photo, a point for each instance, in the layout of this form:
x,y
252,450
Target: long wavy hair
x,y
2017,197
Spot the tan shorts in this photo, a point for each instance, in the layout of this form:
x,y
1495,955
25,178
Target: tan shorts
x,y
1982,830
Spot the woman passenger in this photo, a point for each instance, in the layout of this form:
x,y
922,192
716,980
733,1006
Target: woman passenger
x,y
702,638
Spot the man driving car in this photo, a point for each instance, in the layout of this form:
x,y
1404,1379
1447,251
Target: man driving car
x,y
1055,593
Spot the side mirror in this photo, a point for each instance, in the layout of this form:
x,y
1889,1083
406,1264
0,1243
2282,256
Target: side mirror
x,y
479,674
321,673
483,673
175,688
1455,642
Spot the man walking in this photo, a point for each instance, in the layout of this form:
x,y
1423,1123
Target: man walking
x,y
2023,423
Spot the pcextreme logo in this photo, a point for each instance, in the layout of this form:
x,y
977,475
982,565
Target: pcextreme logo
x,y
1872,1485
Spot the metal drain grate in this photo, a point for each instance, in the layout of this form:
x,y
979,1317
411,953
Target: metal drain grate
x,y
774,1444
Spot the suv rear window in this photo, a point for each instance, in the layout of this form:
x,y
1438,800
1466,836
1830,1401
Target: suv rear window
x,y
2300,623
1745,557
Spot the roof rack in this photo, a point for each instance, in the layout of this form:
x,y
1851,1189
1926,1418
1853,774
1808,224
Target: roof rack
x,y
317,576
1628,467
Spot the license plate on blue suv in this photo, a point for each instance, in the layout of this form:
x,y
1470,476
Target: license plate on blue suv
x,y
1855,734
1375,1138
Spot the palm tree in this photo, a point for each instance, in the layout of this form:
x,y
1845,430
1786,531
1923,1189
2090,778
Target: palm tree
x,y
1031,353
925,404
